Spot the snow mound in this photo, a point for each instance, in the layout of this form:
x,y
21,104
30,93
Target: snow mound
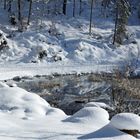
x,y
98,116
19,102
98,104
54,111
106,133
127,121
3,85
87,52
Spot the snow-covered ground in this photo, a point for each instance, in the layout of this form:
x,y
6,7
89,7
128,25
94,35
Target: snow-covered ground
x,y
25,115
60,45
64,41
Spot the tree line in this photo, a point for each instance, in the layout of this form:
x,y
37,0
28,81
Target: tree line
x,y
122,12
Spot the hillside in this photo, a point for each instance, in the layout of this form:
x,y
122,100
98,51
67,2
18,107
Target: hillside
x,y
57,39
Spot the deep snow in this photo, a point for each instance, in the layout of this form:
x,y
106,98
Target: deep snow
x,y
68,49
68,44
25,115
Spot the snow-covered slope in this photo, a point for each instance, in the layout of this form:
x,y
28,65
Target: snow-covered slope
x,y
65,40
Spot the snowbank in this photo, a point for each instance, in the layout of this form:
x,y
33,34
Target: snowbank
x,y
21,103
108,133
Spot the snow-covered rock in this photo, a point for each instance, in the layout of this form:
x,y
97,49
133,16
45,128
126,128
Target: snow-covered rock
x,y
93,115
126,121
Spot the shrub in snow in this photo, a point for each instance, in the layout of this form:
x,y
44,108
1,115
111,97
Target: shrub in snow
x,y
17,78
127,122
13,19
57,58
42,54
3,42
53,30
23,25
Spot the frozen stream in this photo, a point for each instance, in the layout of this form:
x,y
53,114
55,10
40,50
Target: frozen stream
x,y
69,92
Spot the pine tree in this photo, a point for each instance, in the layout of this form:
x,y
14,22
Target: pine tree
x,y
122,15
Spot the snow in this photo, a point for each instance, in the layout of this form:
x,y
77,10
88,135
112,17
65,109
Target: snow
x,y
98,116
68,46
25,115
10,71
98,104
106,133
127,121
68,49
3,85
21,102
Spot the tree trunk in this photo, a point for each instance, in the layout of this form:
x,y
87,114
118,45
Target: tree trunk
x,y
91,13
64,7
80,9
122,14
74,8
19,10
115,31
4,4
30,11
9,5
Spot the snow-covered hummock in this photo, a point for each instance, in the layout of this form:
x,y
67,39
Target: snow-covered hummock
x,y
95,115
108,132
127,121
23,104
98,104
25,115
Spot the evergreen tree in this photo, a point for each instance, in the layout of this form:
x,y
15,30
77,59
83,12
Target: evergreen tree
x,y
122,15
